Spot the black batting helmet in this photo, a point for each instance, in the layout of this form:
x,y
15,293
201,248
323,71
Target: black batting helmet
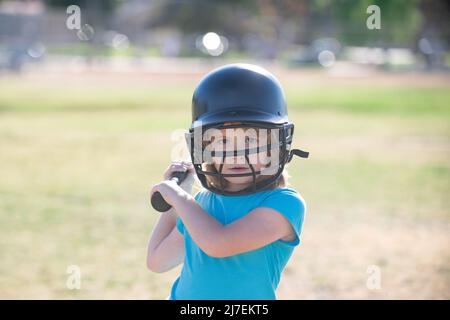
x,y
240,96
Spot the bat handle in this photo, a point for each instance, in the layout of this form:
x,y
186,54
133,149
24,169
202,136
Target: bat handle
x,y
157,200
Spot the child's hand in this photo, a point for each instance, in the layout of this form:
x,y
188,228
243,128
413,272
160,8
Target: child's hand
x,y
170,191
182,166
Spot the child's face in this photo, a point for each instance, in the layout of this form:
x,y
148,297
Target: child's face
x,y
239,139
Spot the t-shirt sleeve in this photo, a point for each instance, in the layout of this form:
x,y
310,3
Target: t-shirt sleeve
x,y
291,205
179,222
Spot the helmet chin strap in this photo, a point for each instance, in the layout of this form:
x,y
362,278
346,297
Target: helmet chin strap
x,y
298,153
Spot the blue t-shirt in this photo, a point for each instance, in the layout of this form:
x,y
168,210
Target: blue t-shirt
x,y
250,275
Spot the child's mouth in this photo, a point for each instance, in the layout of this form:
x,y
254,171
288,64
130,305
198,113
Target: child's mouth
x,y
239,168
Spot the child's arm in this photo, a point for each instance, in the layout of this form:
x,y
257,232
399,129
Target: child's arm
x,y
258,228
166,245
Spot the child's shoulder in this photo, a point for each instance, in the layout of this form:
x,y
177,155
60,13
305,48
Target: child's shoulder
x,y
286,195
285,191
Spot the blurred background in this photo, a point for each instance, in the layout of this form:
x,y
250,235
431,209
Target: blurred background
x,y
91,93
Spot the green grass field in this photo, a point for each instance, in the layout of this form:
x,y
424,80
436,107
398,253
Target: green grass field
x,y
78,157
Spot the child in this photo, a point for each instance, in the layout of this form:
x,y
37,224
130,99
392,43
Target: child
x,y
237,234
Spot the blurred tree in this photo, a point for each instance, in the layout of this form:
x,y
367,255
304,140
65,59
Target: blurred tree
x,y
344,19
197,15
433,40
400,21
107,5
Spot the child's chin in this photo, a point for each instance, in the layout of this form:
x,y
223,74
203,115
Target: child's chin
x,y
245,181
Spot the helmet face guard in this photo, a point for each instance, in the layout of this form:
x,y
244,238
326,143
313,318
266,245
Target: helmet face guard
x,y
209,161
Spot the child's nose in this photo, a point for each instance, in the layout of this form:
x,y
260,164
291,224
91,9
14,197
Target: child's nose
x,y
240,160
